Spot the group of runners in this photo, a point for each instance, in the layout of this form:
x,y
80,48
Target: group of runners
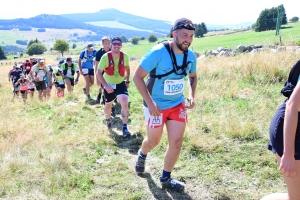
x,y
36,74
165,66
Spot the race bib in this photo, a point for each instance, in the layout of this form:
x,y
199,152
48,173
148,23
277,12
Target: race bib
x,y
152,121
114,86
155,121
85,71
172,87
61,82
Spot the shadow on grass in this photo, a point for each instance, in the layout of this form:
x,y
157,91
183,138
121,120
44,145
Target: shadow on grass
x,y
160,193
286,27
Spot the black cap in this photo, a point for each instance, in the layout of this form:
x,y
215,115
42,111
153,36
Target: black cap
x,y
69,59
89,46
183,23
116,39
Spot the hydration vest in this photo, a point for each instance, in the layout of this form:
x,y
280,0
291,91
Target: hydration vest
x,y
87,58
65,70
110,69
179,70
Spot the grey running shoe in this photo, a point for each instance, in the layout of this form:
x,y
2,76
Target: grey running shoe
x,y
108,123
172,184
140,164
125,132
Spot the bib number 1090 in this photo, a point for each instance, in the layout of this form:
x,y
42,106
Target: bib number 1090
x,y
172,87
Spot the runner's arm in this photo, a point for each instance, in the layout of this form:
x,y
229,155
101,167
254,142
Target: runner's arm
x,y
100,77
192,89
96,66
79,65
138,79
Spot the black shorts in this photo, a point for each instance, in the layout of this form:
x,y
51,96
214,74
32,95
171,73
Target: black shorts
x,y
59,85
91,72
23,91
120,89
32,89
71,80
276,133
27,72
40,85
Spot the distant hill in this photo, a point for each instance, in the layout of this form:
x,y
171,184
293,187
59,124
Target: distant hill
x,y
112,14
59,22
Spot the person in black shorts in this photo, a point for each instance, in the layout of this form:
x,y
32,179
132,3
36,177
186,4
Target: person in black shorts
x,y
115,81
106,47
285,144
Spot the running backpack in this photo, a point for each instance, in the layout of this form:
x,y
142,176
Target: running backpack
x,y
111,66
292,80
176,69
66,67
85,56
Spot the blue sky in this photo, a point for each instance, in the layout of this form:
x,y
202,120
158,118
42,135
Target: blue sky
x,y
220,12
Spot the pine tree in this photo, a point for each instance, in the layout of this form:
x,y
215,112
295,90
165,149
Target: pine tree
x,y
199,31
284,18
2,54
203,26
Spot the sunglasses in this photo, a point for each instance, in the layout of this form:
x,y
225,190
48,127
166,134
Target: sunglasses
x,y
187,25
117,44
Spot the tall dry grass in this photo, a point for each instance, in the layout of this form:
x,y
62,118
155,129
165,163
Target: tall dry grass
x,y
61,149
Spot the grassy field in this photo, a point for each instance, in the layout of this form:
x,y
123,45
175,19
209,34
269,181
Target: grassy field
x,y
289,35
61,148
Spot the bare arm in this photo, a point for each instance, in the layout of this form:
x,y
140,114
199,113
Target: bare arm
x,y
100,78
192,89
96,66
287,165
79,66
127,76
138,79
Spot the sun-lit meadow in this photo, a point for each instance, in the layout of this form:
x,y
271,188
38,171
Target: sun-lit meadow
x,y
61,148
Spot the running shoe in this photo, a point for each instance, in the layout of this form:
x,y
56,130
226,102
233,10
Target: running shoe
x,y
172,184
125,132
140,164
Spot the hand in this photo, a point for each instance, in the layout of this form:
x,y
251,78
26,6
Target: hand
x,y
127,85
81,72
191,103
154,110
76,81
109,89
287,166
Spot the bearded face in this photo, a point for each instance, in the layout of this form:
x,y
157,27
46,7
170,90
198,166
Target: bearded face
x,y
183,38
